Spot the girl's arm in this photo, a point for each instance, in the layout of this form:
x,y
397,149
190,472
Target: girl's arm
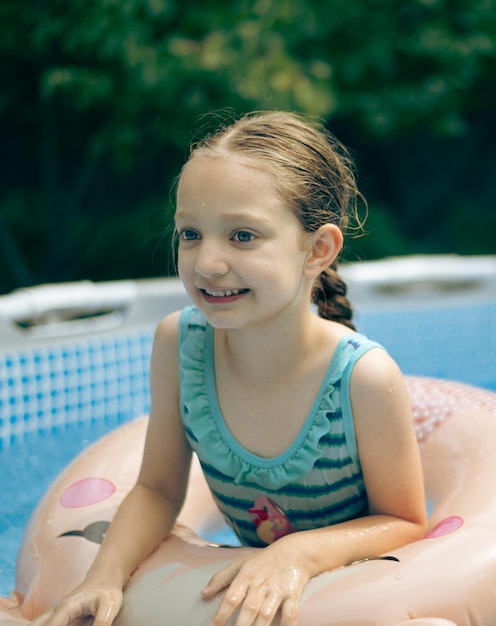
x,y
274,578
148,512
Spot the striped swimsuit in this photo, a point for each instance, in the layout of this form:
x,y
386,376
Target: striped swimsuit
x,y
316,482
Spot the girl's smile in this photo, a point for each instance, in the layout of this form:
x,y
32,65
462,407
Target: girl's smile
x,y
222,296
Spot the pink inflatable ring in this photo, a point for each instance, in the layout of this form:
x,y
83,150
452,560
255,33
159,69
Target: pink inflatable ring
x,y
447,578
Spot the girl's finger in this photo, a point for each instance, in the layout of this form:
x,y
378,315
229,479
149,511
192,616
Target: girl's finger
x,y
55,617
258,609
106,613
268,610
230,602
220,580
289,612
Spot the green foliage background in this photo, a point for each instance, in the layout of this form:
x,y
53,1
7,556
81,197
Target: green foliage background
x,y
99,100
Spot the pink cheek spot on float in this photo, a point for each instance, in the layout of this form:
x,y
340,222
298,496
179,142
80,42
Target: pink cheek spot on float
x,y
85,492
445,527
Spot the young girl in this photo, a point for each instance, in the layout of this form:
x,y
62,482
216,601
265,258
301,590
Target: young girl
x,y
302,425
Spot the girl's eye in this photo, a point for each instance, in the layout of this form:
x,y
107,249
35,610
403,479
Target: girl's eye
x,y
188,234
243,236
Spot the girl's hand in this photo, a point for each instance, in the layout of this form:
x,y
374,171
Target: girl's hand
x,y
84,602
260,584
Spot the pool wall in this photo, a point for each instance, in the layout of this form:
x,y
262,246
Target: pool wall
x,y
81,358
436,315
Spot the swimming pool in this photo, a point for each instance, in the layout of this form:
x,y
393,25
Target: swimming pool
x,y
74,358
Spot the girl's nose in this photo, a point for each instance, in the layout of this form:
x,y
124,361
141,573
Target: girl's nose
x,y
210,262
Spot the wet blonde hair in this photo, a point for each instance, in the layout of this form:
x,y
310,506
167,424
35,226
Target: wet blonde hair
x,y
314,176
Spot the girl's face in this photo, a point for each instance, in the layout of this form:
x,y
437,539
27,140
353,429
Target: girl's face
x,y
241,254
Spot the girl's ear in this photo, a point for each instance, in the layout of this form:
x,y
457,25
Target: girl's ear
x,y
326,243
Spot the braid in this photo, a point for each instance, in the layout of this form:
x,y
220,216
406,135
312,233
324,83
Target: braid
x,y
329,294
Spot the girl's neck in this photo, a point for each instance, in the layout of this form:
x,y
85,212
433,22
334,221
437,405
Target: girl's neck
x,y
257,354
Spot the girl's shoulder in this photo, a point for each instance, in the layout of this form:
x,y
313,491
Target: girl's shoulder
x,y
341,342
379,394
376,370
165,343
168,328
371,369
173,330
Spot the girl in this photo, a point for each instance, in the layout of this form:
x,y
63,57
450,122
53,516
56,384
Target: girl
x,y
302,425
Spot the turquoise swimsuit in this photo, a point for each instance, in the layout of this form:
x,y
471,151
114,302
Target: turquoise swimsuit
x,y
316,482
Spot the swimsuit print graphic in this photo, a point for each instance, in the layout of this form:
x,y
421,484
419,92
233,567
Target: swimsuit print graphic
x,y
271,521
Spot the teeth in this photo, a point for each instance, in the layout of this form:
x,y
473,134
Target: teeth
x,y
222,294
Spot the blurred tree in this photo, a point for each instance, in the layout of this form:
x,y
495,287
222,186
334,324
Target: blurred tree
x,y
98,99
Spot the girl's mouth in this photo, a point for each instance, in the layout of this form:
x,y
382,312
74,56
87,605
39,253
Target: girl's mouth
x,y
222,295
